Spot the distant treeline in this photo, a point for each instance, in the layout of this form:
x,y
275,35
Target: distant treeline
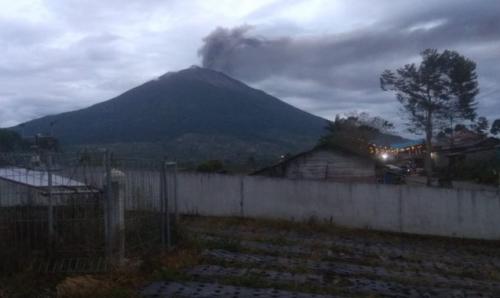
x,y
11,141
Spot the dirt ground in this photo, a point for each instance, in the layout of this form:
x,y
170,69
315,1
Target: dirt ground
x,y
234,257
258,258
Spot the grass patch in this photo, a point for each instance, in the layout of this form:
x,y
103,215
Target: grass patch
x,y
90,286
318,251
232,245
279,240
328,228
256,280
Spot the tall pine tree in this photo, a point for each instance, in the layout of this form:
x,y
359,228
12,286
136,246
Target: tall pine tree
x,y
434,94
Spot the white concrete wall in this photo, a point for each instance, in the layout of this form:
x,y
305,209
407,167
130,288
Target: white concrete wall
x,y
406,209
209,194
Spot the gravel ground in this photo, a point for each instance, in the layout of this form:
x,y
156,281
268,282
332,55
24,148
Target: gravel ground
x,y
250,258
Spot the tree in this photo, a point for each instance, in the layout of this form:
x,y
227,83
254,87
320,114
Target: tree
x,y
365,119
442,86
481,126
211,166
12,141
462,87
460,127
344,133
355,132
251,163
495,127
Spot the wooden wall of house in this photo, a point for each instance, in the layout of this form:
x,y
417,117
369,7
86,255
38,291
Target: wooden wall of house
x,y
331,165
480,157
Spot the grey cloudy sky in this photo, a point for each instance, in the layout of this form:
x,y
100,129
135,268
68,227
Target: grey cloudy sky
x,y
324,56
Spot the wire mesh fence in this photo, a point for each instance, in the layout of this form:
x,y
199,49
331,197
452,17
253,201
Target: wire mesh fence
x,y
81,212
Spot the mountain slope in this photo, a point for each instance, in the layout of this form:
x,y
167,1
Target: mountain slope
x,y
189,108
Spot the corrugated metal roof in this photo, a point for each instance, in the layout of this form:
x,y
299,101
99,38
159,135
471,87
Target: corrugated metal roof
x,y
36,178
407,144
316,149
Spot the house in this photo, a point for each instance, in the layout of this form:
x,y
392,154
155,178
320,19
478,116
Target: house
x,y
459,138
324,164
400,152
468,152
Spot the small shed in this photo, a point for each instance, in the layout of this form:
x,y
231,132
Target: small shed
x,y
24,187
36,209
324,164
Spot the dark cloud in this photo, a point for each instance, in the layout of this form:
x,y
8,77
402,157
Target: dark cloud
x,y
323,56
343,69
238,52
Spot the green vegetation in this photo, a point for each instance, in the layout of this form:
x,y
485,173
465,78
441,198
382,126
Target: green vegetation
x,y
484,172
191,115
234,233
211,166
356,132
11,141
439,92
495,127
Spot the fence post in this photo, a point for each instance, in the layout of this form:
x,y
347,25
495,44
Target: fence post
x,y
107,203
173,169
242,196
115,213
50,208
176,210
165,210
118,219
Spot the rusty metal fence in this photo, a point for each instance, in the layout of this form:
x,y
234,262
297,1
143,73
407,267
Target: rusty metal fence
x,y
83,212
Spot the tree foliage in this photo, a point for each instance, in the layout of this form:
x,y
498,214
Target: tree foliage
x,y
434,94
364,119
356,132
481,126
495,127
442,87
11,141
462,88
211,166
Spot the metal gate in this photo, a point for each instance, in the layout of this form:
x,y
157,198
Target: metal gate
x,y
81,212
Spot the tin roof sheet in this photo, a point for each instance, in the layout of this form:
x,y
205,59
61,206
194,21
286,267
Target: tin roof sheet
x,y
36,178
